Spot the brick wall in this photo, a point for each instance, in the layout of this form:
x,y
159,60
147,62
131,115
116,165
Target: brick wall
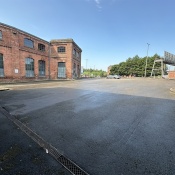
x,y
15,52
67,57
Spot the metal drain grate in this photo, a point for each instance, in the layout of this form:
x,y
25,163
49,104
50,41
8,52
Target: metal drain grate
x,y
68,164
71,166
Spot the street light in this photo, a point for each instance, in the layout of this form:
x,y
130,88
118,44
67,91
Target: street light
x,y
146,59
86,63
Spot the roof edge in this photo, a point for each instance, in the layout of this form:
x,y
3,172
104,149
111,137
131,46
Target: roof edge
x,y
21,31
68,40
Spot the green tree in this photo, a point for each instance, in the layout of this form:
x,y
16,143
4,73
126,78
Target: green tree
x,y
136,66
94,73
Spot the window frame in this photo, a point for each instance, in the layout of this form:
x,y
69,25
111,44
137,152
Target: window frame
x,y
42,68
41,47
1,68
61,70
29,68
0,35
28,43
77,54
61,49
74,52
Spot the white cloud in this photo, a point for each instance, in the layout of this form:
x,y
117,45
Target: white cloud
x,y
98,3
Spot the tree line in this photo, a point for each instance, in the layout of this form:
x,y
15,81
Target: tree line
x,y
94,73
136,66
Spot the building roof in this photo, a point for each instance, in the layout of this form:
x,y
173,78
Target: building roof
x,y
69,40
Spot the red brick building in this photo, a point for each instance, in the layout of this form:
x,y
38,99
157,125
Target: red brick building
x,y
65,52
25,56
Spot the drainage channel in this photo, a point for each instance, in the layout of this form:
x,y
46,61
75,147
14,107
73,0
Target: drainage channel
x,y
67,163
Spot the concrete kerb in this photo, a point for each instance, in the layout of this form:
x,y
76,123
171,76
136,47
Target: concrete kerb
x,y
4,89
9,86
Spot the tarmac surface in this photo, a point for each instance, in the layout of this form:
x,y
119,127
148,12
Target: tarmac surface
x,y
107,127
19,155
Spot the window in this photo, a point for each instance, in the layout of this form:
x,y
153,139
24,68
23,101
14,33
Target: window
x,y
41,47
41,68
0,34
61,49
29,67
61,70
74,71
1,66
78,68
74,52
28,43
77,54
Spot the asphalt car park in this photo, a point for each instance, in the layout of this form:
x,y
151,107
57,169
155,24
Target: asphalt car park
x,y
106,127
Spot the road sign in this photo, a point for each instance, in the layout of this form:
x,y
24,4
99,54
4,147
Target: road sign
x,y
169,58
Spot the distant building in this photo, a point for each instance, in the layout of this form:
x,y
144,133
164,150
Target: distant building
x,y
171,74
25,56
109,69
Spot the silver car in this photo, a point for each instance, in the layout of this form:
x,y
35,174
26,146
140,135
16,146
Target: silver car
x,y
113,76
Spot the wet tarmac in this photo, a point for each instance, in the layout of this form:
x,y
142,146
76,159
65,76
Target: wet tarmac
x,y
107,127
20,155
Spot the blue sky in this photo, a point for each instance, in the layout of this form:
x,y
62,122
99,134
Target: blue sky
x,y
108,31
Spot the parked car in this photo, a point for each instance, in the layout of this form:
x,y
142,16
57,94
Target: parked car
x,y
113,77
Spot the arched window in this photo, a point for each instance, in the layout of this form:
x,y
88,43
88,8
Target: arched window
x,y
28,43
61,49
1,66
29,67
41,67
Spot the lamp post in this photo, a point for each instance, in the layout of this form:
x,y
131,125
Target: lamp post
x,y
146,59
86,63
